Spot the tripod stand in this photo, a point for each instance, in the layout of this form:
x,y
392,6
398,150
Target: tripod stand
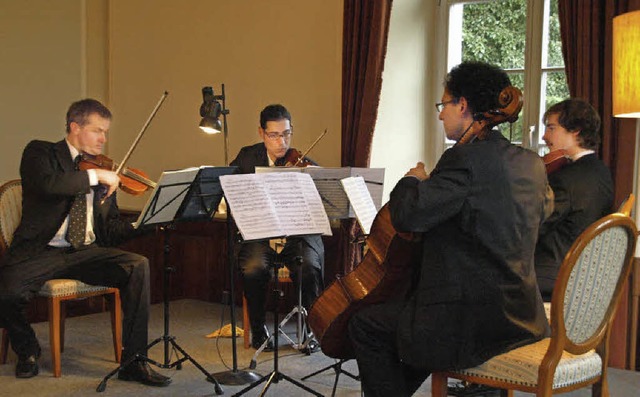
x,y
275,376
166,338
303,334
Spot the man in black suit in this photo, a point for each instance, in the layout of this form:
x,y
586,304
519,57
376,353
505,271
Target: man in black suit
x,y
583,188
70,218
475,293
255,259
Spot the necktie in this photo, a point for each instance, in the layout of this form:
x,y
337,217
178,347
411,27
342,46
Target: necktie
x,y
77,217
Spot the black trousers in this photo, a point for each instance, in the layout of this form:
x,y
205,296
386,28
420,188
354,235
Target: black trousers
x,y
129,272
372,331
255,261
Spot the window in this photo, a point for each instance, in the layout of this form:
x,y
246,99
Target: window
x,y
522,37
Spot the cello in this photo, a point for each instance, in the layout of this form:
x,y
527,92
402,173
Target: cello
x,y
386,269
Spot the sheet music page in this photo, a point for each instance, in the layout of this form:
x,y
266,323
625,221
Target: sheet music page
x,y
374,179
361,200
297,203
165,200
334,199
253,211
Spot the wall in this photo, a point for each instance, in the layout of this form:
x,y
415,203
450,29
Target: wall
x,y
281,51
127,53
407,129
41,47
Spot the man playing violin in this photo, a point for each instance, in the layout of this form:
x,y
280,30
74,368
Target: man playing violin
x,y
583,187
255,259
70,222
474,292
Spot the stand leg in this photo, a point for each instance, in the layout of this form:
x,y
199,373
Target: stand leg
x,y
235,376
166,338
337,367
275,376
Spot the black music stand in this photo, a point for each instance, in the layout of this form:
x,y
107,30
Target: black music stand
x,y
184,195
274,205
275,376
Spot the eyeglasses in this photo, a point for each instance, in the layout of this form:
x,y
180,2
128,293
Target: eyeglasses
x,y
274,136
440,106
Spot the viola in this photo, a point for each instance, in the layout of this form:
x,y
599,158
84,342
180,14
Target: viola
x,y
555,160
132,181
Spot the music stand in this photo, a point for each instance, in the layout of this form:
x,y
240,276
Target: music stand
x,y
183,195
270,206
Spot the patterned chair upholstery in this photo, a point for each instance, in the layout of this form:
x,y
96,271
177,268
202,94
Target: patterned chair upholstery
x,y
587,291
55,291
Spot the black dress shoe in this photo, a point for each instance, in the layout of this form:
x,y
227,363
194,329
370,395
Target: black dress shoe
x,y
27,367
259,336
140,371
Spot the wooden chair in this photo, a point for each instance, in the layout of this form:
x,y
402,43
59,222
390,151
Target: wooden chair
x,y
587,291
55,291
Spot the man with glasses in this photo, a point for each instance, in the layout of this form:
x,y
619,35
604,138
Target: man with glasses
x,y
255,259
474,292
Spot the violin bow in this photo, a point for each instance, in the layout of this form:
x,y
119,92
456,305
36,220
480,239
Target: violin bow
x,y
310,147
144,128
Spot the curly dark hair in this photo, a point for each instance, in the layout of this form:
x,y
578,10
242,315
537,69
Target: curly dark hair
x,y
479,83
80,110
576,114
273,113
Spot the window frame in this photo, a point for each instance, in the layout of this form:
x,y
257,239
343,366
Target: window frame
x,y
534,72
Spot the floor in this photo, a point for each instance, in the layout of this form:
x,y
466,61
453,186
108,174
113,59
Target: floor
x,y
88,359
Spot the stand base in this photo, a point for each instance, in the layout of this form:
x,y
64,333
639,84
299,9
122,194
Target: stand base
x,y
237,377
167,339
275,377
337,367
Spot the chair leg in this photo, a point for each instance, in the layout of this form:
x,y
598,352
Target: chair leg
x,y
116,324
63,319
438,385
245,322
54,334
4,348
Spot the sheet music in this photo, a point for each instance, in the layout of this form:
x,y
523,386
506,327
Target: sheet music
x,y
165,200
273,205
327,181
361,200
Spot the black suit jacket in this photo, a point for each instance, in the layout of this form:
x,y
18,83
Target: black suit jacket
x,y
583,194
476,294
49,184
254,156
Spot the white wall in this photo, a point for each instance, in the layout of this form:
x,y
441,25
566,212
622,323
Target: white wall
x,y
126,53
407,129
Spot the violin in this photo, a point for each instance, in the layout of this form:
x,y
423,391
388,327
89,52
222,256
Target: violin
x,y
294,158
132,181
555,160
